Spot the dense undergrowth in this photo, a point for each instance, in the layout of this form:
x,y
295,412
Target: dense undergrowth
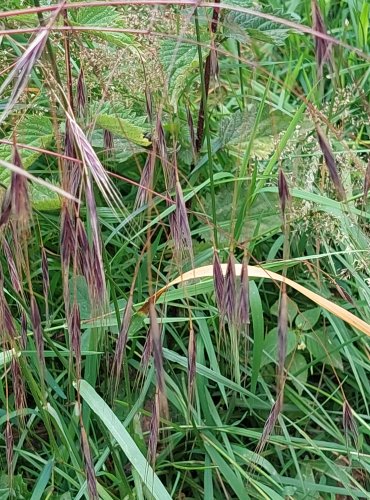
x,y
143,140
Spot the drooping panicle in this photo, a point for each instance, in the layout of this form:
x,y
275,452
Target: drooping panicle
x,y
146,181
22,70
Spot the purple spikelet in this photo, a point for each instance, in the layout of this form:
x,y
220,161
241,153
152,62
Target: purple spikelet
x,y
18,386
367,181
146,181
154,430
81,98
229,295
13,271
219,282
98,286
108,141
322,46
270,423
89,467
179,224
349,424
283,189
155,334
75,333
19,194
23,341
22,71
9,445
331,164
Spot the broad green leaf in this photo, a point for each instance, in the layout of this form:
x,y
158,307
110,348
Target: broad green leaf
x,y
323,346
308,319
124,440
42,481
243,27
270,346
122,128
258,325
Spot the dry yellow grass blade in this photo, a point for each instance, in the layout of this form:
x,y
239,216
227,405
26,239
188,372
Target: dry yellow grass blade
x,y
258,272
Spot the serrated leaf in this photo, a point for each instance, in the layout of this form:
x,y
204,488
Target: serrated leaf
x,y
104,17
44,199
122,128
97,16
243,27
34,130
179,60
235,131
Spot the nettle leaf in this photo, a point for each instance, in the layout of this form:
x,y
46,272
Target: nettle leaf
x,y
243,27
179,60
97,16
122,128
235,132
34,130
104,17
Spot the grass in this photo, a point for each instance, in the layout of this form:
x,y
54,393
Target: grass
x,y
184,308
